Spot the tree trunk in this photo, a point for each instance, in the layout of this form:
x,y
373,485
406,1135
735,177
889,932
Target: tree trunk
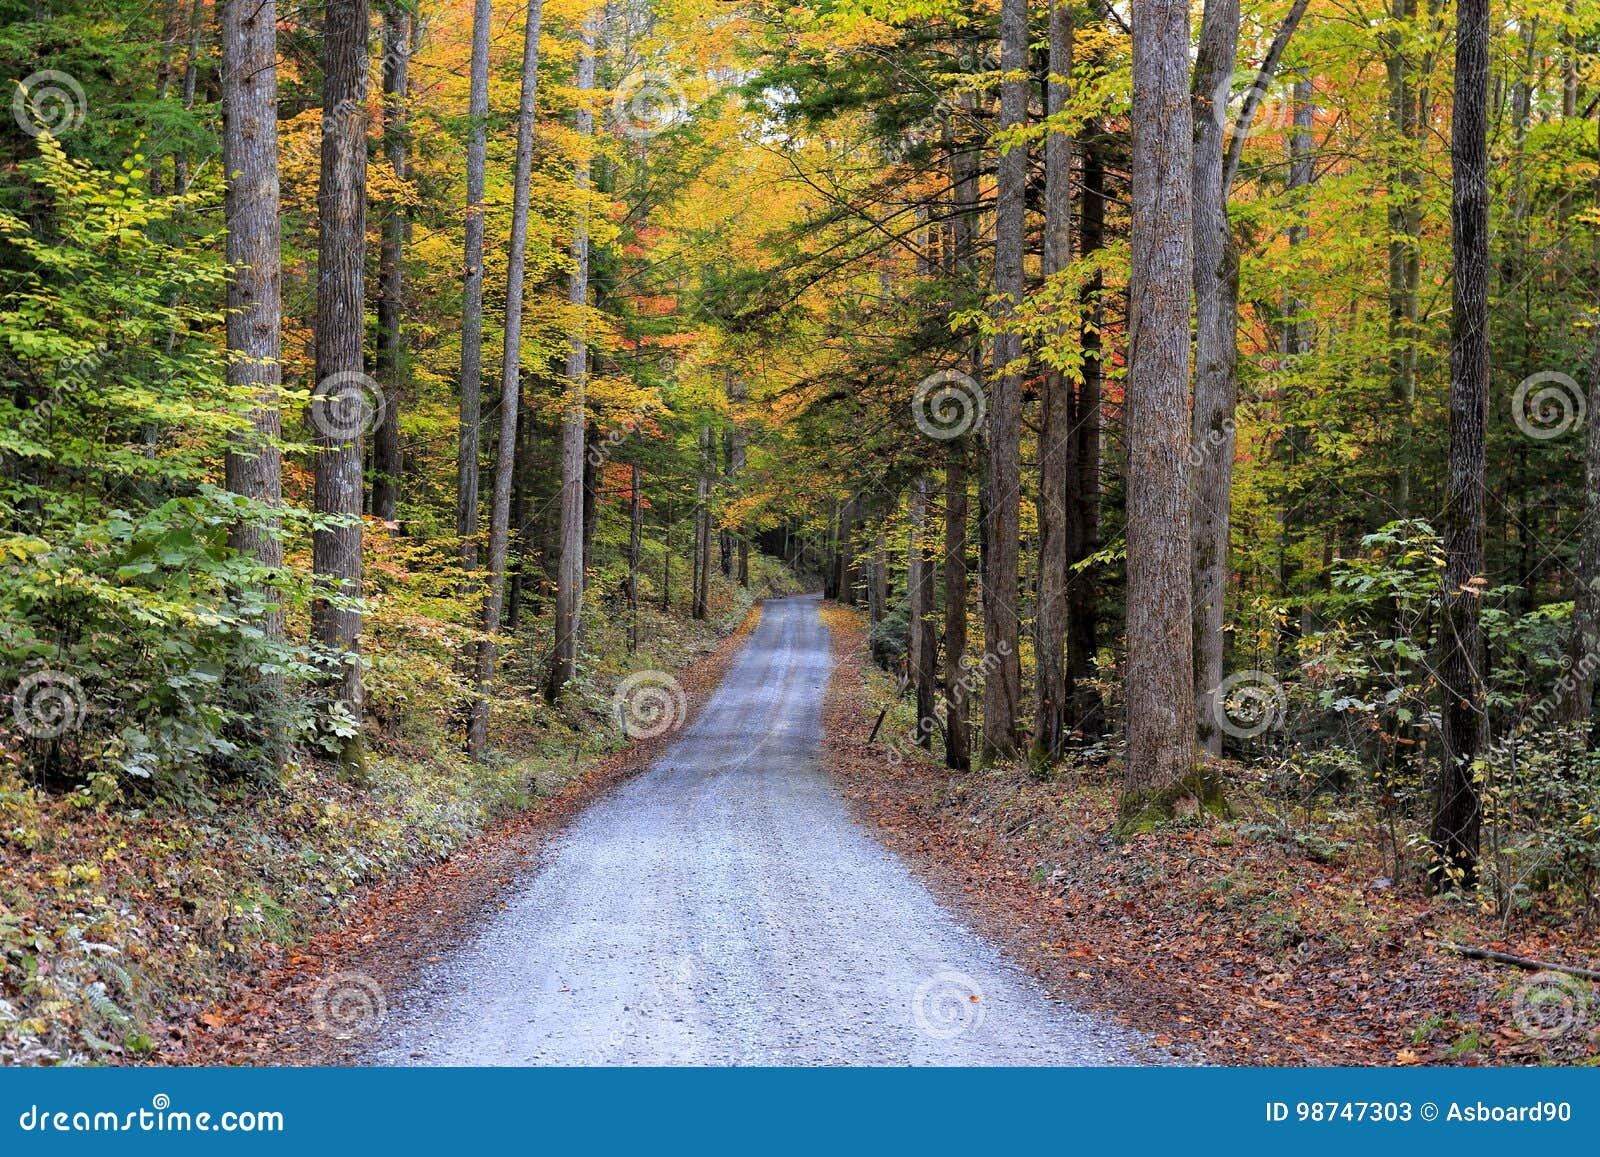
x,y
1456,813
1160,677
574,461
510,382
923,639
344,402
387,459
635,541
957,736
702,529
1056,435
880,576
1577,701
468,443
1405,224
1216,289
253,466
738,461
1002,689
1083,530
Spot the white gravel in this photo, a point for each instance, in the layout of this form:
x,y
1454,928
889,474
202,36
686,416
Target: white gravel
x,y
722,908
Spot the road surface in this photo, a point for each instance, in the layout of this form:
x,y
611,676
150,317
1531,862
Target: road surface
x,y
723,908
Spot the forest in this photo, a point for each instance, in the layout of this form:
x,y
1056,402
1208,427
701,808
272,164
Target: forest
x,y
1184,409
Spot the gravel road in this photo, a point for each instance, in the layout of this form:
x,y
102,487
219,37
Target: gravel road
x,y
723,908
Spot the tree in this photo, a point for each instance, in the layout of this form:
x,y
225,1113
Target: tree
x,y
387,452
569,588
344,400
468,445
1216,289
254,467
1457,813
1002,689
510,382
1159,678
1083,526
1056,428
1216,283
923,636
1583,651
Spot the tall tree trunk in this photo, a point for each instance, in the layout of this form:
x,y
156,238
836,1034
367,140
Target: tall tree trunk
x,y
1002,689
253,466
1405,224
957,735
574,462
510,381
1160,677
469,441
342,386
922,635
880,574
1577,701
1216,288
1457,813
702,529
738,455
387,460
635,541
1083,530
1056,435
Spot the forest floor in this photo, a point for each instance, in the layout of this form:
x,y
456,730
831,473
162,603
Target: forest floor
x,y
1249,940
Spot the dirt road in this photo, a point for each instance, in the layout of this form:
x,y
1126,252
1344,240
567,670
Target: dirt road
x,y
723,908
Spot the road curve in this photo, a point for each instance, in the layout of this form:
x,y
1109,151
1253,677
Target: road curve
x,y
723,908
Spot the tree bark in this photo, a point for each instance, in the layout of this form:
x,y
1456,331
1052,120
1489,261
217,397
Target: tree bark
x,y
1457,812
253,467
387,451
1577,703
1405,225
574,462
1056,435
1216,289
510,382
1160,677
957,734
341,383
469,439
738,456
923,638
1002,689
635,541
702,530
1083,529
